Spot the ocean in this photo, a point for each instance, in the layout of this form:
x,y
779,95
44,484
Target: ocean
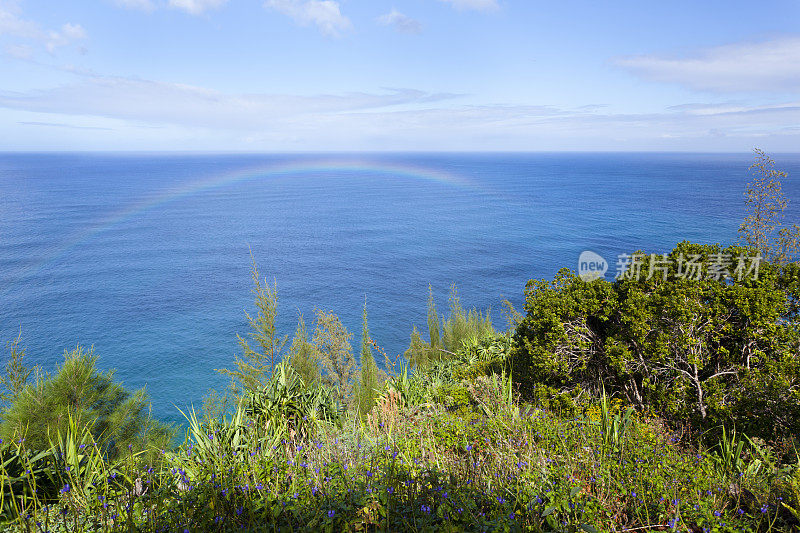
x,y
146,257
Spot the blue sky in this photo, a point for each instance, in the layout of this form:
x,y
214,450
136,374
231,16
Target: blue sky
x,y
319,75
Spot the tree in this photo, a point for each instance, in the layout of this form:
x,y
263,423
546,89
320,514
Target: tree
x,y
433,321
463,326
256,365
369,378
335,352
16,375
702,351
459,329
303,356
117,417
763,226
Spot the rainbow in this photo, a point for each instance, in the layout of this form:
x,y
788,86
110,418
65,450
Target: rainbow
x,y
324,167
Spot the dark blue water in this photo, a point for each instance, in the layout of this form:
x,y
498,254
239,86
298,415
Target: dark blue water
x,y
94,251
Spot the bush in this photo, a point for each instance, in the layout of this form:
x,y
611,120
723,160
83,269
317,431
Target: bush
x,y
78,390
708,352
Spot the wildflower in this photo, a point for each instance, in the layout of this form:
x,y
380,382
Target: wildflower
x,y
331,513
65,488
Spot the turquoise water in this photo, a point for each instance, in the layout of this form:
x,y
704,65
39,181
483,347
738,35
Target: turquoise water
x,y
146,256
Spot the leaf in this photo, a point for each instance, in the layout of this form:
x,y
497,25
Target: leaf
x,y
548,511
589,528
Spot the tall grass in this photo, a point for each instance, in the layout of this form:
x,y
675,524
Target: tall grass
x,y
500,466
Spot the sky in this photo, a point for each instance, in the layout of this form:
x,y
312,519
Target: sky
x,y
400,75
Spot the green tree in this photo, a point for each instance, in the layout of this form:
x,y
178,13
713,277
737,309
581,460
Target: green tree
x,y
418,352
459,330
335,352
117,417
16,375
763,227
303,356
463,326
256,364
704,351
369,374
433,321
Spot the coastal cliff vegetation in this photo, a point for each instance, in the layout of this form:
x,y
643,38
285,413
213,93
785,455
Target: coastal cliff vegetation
x,y
667,398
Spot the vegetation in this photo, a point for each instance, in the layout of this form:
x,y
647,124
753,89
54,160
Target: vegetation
x,y
667,399
708,352
763,227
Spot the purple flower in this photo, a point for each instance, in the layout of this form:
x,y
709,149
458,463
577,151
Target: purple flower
x,y
331,513
65,488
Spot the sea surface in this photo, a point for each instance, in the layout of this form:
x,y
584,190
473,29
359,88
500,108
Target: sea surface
x,y
146,257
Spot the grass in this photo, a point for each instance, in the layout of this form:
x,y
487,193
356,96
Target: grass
x,y
491,465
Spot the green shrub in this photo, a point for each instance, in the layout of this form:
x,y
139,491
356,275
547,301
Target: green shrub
x,y
453,397
117,417
705,352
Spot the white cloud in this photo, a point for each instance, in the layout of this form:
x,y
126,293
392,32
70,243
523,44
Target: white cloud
x,y
12,24
392,120
197,7
19,51
326,15
400,22
68,34
481,5
144,5
184,105
770,66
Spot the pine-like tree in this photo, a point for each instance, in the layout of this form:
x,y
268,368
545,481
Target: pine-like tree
x,y
335,353
369,373
16,375
763,227
303,356
255,366
433,322
117,417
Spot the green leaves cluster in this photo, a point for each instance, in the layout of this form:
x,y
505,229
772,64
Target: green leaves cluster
x,y
704,351
448,335
763,227
80,394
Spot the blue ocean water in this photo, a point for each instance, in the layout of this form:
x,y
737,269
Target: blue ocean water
x,y
146,257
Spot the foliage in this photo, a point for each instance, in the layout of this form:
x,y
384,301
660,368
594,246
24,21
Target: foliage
x,y
254,367
369,374
763,227
286,406
303,356
458,330
336,354
705,351
81,394
16,375
461,326
520,469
